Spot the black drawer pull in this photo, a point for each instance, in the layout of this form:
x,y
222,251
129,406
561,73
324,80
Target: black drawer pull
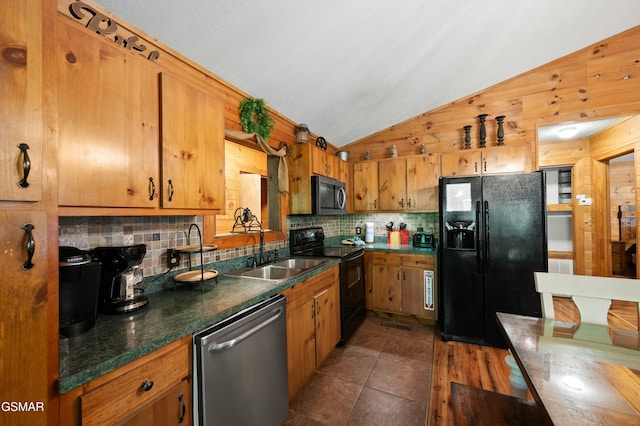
x,y
31,246
152,189
147,385
26,165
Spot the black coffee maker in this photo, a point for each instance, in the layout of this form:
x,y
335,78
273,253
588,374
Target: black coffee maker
x,y
120,278
78,291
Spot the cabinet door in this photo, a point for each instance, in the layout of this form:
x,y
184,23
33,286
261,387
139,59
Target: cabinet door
x,y
422,182
327,322
21,101
461,163
23,318
505,160
392,184
365,186
174,408
413,294
325,164
108,122
387,290
192,147
301,349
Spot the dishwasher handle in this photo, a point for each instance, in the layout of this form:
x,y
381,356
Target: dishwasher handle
x,y
218,347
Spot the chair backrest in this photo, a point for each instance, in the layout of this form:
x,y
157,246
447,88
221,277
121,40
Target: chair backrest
x,y
592,295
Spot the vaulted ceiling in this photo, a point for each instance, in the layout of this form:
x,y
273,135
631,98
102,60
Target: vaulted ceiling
x,y
351,68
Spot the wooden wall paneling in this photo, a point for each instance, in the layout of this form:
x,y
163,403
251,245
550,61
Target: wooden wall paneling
x,y
560,153
616,140
581,219
601,237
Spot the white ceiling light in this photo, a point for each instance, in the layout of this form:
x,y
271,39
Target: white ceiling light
x,y
567,132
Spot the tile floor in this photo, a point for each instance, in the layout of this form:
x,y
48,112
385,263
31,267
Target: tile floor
x,y
381,377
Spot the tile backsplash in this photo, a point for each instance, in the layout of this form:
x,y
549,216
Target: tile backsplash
x,y
160,233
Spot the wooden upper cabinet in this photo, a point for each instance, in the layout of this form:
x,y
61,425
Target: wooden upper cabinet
x,y
21,102
392,184
505,159
423,173
108,121
461,163
324,164
303,161
365,186
192,146
494,160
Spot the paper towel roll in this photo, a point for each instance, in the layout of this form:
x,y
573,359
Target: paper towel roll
x,y
368,236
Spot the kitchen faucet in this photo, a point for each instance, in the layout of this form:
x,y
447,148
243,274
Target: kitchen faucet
x,y
261,258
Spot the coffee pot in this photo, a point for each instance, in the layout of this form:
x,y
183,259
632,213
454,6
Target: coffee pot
x,y
120,278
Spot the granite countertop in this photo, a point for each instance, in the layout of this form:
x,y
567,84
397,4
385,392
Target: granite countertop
x,y
380,244
117,340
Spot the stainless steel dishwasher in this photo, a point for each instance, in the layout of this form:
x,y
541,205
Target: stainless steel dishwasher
x,y
241,368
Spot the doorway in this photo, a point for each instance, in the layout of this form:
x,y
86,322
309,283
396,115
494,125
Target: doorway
x,y
622,215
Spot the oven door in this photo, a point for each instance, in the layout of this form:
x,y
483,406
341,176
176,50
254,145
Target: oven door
x,y
352,294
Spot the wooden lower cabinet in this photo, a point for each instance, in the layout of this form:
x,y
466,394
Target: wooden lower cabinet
x,y
313,325
153,390
398,284
23,318
175,408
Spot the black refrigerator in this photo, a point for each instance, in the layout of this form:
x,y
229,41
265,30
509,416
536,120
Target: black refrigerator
x,y
493,237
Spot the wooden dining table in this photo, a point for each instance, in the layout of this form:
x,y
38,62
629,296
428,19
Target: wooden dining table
x,y
578,374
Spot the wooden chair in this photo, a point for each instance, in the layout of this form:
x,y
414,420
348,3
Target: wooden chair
x,y
592,295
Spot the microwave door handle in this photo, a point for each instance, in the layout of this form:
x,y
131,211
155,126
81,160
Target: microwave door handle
x,y
341,198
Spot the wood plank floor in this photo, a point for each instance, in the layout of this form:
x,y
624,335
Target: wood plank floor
x,y
484,367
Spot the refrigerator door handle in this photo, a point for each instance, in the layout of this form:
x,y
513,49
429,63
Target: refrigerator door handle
x,y
477,231
487,236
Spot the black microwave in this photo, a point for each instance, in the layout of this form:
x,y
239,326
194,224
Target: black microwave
x,y
328,196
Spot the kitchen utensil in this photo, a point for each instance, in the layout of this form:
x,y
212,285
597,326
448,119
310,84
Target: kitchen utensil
x,y
402,226
389,226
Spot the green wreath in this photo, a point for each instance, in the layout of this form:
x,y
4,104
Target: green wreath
x,y
254,117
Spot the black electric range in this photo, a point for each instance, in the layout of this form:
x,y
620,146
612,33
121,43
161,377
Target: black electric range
x,y
310,242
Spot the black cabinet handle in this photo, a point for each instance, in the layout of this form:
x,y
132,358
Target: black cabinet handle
x,y
183,406
147,385
170,190
152,189
477,231
487,237
26,165
31,246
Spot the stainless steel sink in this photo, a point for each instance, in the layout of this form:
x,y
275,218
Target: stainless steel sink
x,y
271,272
278,271
300,263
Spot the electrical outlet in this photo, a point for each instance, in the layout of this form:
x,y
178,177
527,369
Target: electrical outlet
x,y
358,230
173,258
